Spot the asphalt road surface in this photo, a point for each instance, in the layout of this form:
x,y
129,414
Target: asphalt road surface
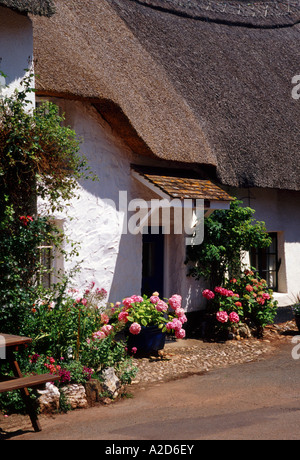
x,y
251,401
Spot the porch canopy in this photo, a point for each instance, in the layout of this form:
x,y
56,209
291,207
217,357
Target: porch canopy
x,y
170,184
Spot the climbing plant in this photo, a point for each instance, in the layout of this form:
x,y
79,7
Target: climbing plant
x,y
39,160
39,156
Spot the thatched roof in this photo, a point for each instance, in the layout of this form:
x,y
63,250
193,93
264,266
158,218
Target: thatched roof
x,y
40,7
198,81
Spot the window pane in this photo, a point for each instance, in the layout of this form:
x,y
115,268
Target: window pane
x,y
272,262
273,247
266,262
271,279
45,260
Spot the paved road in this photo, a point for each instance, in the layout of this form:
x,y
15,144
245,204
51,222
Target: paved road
x,y
259,400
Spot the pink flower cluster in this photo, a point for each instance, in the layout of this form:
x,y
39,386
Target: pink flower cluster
x,y
81,300
208,294
135,328
102,333
225,292
130,300
161,306
176,323
175,301
123,316
261,300
223,317
154,299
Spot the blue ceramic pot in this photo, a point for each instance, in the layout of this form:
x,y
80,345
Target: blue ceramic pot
x,y
150,339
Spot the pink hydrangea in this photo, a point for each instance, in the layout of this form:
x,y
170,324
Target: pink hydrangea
x,y
174,324
107,329
222,316
161,306
182,319
179,312
154,299
266,296
234,317
135,328
223,291
98,335
169,325
123,316
127,302
179,333
137,298
208,294
175,301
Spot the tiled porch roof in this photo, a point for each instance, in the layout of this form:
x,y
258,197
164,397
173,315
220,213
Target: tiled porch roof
x,y
182,184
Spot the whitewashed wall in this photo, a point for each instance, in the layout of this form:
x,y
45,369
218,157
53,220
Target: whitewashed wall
x,y
112,259
16,49
280,210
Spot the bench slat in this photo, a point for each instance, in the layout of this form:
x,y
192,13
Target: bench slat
x,y
24,382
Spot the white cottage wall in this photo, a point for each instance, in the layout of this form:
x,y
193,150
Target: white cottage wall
x,y
16,49
112,259
176,275
95,220
280,210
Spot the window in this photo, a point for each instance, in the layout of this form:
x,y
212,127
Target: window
x,y
51,261
46,265
267,263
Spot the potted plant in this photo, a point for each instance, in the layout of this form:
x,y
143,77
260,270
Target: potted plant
x,y
146,321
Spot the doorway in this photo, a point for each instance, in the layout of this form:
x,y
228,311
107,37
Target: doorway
x,y
153,262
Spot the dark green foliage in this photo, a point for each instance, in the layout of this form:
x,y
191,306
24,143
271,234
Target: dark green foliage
x,y
227,234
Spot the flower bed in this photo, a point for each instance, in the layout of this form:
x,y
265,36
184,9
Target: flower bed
x,y
242,301
77,335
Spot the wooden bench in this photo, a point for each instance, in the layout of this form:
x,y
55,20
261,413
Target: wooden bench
x,y
11,343
26,382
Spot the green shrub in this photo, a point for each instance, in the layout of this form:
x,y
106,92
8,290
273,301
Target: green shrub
x,y
227,234
245,299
